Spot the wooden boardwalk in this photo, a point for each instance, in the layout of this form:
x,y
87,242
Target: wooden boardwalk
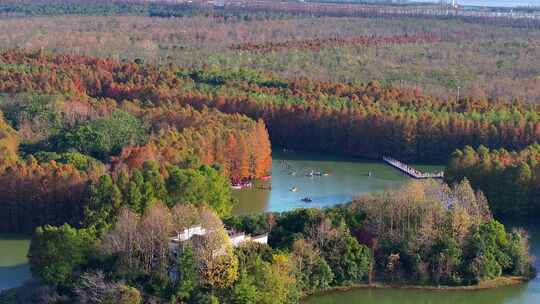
x,y
412,172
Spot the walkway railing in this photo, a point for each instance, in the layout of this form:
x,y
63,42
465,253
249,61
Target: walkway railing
x,y
410,170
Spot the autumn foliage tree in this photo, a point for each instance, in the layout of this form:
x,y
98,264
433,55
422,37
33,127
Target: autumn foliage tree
x,y
437,234
508,178
9,143
89,128
40,194
172,116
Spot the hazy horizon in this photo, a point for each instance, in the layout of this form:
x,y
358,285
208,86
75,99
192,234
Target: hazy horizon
x,y
498,3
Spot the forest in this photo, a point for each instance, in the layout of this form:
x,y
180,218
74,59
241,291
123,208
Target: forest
x,y
98,7
125,123
482,60
318,44
167,114
409,236
508,178
69,121
108,159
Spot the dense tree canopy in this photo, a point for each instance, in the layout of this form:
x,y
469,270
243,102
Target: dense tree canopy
x,y
123,154
509,178
424,233
40,194
57,252
430,233
367,120
77,143
9,143
103,137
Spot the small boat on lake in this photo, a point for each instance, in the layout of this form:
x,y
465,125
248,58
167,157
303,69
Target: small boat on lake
x,y
307,200
241,185
294,189
317,173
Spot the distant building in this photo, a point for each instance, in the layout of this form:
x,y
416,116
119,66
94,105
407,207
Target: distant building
x,y
191,231
237,238
261,239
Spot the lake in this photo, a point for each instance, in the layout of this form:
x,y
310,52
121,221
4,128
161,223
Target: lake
x,y
347,178
14,268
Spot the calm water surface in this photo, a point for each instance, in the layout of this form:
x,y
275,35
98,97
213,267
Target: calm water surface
x,y
348,177
14,269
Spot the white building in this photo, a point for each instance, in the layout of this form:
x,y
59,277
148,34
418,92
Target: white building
x,y
185,235
240,238
262,239
191,231
237,238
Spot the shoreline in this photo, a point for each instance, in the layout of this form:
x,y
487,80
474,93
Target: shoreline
x,y
489,284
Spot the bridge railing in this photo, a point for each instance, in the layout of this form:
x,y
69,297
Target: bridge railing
x,y
410,170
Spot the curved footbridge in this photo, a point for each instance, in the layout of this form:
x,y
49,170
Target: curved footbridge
x,y
412,172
